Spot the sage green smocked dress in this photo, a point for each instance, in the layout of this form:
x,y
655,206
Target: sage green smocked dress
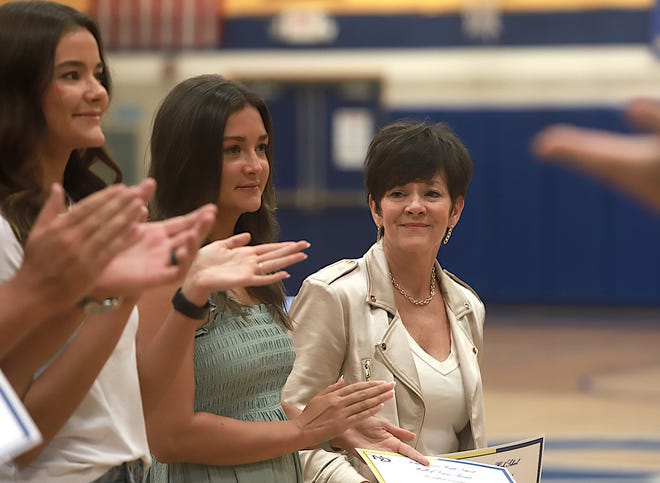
x,y
241,363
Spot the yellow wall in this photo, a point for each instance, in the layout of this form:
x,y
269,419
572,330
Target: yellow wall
x,y
233,8
260,7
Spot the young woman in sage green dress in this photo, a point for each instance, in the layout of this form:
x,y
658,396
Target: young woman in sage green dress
x,y
224,420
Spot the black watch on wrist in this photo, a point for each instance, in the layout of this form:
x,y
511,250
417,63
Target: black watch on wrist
x,y
184,306
92,306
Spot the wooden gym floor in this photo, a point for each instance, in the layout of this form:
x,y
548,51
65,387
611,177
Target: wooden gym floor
x,y
589,379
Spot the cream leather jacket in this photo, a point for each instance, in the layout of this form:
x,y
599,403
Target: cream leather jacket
x,y
345,322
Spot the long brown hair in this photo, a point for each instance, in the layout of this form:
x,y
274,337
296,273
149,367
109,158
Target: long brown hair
x,y
29,35
186,161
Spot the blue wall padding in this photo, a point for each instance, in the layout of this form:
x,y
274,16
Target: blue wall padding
x,y
615,26
530,232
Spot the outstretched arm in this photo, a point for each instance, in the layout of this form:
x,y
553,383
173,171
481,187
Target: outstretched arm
x,y
629,162
178,433
165,334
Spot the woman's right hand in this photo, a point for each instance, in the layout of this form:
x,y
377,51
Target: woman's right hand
x,y
68,249
339,407
147,262
228,263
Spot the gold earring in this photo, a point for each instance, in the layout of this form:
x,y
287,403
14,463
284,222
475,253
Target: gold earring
x,y
380,233
448,235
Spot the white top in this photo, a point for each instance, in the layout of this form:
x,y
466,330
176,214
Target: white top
x,y
444,397
108,427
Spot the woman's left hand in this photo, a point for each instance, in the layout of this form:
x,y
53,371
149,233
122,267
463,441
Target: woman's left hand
x,y
339,407
229,263
378,434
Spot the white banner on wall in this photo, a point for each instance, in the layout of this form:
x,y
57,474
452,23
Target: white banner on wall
x,y
352,130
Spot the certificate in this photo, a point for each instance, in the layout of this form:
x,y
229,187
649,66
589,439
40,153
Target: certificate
x,y
523,459
519,462
395,468
19,432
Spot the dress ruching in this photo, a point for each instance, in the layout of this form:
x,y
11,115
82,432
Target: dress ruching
x,y
241,364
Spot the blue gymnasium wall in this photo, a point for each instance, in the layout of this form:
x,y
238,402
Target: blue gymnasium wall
x,y
602,26
530,233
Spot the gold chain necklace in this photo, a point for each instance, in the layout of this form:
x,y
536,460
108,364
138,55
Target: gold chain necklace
x,y
422,302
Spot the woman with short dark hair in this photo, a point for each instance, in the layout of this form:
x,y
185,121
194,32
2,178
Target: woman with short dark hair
x,y
395,314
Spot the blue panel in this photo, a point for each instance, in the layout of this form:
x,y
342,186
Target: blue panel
x,y
280,99
530,233
298,110
633,276
334,234
420,31
655,22
586,27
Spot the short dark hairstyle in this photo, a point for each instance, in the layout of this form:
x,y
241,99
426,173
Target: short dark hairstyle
x,y
406,151
187,157
29,35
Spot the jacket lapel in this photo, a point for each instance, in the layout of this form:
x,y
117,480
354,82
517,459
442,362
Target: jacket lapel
x,y
392,349
458,311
